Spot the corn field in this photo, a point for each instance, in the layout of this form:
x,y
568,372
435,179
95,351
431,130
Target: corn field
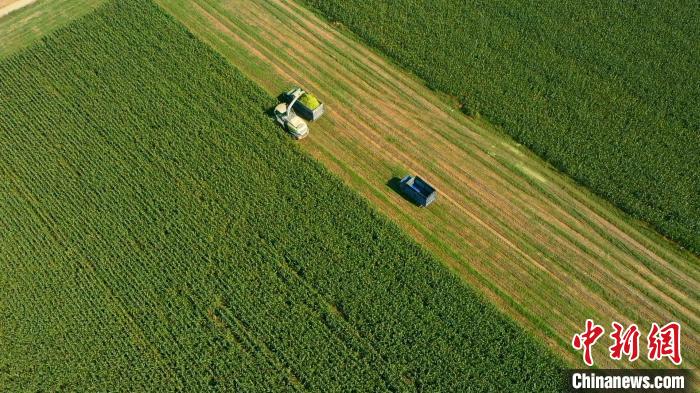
x,y
161,233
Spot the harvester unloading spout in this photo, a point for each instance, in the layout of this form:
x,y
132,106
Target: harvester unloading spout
x,y
295,96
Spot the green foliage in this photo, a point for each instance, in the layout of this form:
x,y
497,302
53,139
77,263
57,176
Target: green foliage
x,y
309,100
25,26
606,91
154,239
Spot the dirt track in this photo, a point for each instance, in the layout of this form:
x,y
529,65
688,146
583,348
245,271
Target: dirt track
x,y
541,248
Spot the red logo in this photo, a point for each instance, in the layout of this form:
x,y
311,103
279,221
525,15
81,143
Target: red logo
x,y
625,342
665,342
586,339
662,342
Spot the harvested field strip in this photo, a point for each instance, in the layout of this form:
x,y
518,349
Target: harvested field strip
x,y
543,249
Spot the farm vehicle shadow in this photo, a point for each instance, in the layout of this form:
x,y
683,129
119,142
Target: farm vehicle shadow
x,y
395,184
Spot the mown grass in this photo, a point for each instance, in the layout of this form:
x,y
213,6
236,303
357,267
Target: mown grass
x,y
606,92
154,239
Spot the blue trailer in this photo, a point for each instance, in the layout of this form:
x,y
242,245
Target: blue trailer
x,y
418,190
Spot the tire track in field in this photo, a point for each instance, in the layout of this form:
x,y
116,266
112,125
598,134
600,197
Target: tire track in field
x,y
503,212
